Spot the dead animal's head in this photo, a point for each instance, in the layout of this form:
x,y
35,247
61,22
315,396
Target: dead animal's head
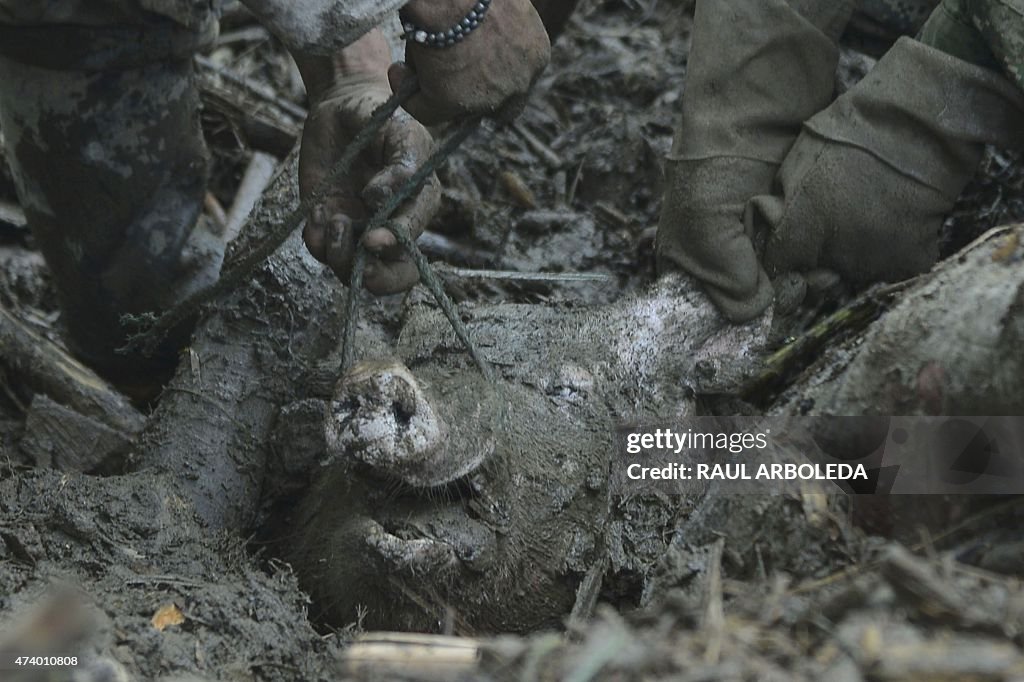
x,y
381,416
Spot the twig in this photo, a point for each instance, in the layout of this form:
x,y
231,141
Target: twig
x,y
444,248
48,369
290,108
257,176
552,159
588,592
714,614
383,654
249,34
9,392
859,569
263,126
215,210
576,178
782,366
162,580
517,276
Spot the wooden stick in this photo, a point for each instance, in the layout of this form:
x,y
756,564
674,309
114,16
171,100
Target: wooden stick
x,y
517,276
257,177
47,368
423,657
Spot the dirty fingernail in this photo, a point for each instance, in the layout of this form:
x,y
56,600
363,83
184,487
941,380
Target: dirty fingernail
x,y
340,223
376,240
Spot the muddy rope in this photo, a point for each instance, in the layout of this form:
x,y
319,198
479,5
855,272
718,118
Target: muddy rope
x,y
427,276
155,328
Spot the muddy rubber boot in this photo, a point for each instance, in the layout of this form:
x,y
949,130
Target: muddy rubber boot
x,y
111,169
867,185
757,70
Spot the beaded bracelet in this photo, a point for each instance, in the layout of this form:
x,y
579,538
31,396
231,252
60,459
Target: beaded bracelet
x,y
455,34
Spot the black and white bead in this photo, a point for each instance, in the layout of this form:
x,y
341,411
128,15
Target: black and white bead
x,y
455,34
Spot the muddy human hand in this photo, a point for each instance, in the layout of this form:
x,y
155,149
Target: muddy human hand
x,y
487,69
344,92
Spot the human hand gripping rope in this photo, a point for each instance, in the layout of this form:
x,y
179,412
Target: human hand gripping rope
x,y
155,328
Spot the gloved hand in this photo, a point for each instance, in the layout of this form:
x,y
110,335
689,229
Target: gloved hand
x,y
489,72
866,186
344,96
757,70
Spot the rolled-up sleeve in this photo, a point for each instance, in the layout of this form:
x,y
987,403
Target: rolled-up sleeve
x,y
321,26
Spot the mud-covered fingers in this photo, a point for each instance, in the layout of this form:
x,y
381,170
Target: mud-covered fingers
x,y
383,278
314,234
329,238
405,147
390,270
414,216
328,229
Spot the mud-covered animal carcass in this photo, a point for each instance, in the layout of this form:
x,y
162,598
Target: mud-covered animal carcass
x,y
440,491
443,498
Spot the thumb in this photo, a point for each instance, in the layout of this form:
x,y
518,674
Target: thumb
x,y
398,73
425,109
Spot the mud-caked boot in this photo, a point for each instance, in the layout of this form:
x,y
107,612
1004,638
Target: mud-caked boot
x,y
866,187
757,70
111,169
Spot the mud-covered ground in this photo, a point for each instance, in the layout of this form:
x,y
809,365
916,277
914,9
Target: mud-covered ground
x,y
573,186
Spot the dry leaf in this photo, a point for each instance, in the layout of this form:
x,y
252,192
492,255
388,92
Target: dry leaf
x,y
1005,251
167,616
518,191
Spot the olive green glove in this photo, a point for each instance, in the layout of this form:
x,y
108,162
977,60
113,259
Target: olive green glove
x,y
866,187
757,70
